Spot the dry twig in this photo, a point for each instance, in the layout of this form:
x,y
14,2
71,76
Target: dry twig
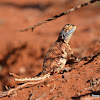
x,y
61,14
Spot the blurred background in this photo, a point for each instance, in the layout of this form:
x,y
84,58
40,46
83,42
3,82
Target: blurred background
x,y
22,52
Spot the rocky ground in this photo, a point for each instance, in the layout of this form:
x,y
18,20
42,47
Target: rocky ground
x,y
22,52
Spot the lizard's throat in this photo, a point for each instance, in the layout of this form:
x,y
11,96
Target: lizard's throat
x,y
64,40
68,38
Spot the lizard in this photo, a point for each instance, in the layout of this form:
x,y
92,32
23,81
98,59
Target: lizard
x,y
57,55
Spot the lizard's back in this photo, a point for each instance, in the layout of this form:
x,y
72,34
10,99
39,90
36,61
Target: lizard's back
x,y
56,57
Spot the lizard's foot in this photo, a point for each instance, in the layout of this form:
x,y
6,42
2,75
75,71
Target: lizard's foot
x,y
75,58
86,58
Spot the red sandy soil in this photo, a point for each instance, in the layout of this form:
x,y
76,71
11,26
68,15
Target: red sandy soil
x,y
22,52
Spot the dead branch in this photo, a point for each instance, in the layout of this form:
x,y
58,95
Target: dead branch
x,y
61,14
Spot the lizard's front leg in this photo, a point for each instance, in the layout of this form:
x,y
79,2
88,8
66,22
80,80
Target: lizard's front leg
x,y
70,60
71,55
86,58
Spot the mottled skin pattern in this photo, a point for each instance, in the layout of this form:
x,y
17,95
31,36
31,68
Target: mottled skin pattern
x,y
59,53
57,56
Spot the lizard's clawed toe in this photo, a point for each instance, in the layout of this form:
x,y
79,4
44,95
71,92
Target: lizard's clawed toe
x,y
77,60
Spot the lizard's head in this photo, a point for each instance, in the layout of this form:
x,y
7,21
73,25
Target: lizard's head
x,y
67,32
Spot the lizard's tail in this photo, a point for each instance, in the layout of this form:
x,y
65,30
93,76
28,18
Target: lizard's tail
x,y
11,90
36,78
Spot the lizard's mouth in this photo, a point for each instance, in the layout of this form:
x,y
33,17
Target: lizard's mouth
x,y
71,31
